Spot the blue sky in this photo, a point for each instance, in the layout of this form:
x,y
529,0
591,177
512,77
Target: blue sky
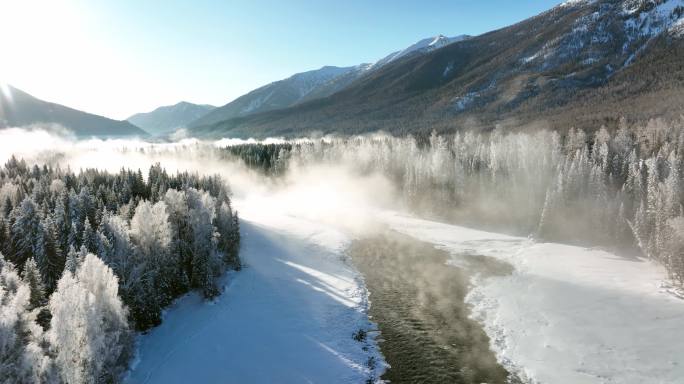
x,y
119,57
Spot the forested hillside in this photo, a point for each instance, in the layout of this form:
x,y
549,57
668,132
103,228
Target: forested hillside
x,y
87,258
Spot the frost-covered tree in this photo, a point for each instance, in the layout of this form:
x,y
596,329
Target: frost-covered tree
x,y
22,359
228,242
617,189
204,263
89,237
50,259
675,249
177,207
31,276
51,219
89,330
151,236
4,236
25,231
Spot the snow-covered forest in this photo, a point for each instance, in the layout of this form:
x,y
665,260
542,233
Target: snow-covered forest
x,y
87,258
621,189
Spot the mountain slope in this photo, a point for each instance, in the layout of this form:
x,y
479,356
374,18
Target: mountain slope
x,y
18,108
169,118
312,85
423,46
284,93
584,63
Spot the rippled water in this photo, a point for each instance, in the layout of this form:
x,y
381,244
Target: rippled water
x,y
418,303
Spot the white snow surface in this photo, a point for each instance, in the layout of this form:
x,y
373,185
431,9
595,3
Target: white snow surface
x,y
665,16
568,314
287,317
572,3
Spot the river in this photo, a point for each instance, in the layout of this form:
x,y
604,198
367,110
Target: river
x,y
417,300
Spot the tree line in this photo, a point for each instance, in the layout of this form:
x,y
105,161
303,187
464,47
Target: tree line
x,y
621,188
87,258
266,158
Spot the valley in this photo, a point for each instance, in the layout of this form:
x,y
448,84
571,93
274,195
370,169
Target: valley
x,y
342,192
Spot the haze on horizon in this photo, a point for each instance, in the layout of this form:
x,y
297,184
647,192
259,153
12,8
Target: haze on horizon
x,y
120,58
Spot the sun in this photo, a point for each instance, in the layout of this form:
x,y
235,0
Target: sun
x,y
35,35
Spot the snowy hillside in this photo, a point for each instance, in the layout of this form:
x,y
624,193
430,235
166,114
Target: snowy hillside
x,y
280,94
423,46
625,28
312,85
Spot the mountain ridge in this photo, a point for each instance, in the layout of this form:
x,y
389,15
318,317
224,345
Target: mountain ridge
x,y
169,118
18,109
582,63
315,84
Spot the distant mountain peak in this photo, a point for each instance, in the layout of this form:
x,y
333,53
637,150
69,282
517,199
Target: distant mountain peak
x,y
315,84
576,3
422,46
169,118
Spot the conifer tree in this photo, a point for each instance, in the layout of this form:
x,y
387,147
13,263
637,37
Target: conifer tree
x,y
31,276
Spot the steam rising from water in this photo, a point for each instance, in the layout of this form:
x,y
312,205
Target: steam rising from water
x,y
333,194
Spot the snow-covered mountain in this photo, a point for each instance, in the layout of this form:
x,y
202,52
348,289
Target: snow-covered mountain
x,y
609,33
312,85
169,118
284,93
423,46
18,109
583,63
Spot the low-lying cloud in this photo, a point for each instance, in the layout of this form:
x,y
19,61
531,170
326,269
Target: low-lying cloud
x,y
336,194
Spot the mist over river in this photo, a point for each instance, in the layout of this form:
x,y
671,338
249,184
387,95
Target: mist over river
x,y
417,300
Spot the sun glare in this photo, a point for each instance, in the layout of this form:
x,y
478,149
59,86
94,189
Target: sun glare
x,y
39,43
5,91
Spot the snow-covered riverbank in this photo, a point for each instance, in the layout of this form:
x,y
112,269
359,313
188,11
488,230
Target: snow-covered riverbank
x,y
287,317
568,314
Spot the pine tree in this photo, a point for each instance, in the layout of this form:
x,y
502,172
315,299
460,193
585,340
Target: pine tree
x,y
26,232
89,238
74,237
176,202
7,207
31,276
22,360
61,221
203,258
4,236
73,260
52,263
235,241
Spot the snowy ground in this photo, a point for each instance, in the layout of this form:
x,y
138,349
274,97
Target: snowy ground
x,y
568,314
287,317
